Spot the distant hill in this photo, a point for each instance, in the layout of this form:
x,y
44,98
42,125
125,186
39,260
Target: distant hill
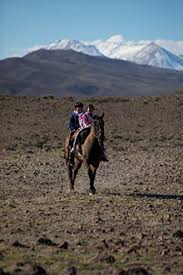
x,y
69,73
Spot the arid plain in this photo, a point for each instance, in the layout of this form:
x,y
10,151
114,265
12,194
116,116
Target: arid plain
x,y
134,223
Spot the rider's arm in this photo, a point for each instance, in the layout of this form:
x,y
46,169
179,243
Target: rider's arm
x,y
71,123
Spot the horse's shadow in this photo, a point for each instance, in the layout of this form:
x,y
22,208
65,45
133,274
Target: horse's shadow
x,y
157,196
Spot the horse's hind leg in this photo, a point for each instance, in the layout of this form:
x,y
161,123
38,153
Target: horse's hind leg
x,y
78,164
70,174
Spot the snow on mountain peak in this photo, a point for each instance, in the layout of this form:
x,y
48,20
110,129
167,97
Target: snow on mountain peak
x,y
118,38
67,44
154,55
152,45
142,52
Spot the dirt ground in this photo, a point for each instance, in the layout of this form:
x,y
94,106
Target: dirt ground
x,y
134,223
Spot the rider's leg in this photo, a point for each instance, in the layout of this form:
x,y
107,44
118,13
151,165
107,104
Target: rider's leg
x,y
71,140
75,141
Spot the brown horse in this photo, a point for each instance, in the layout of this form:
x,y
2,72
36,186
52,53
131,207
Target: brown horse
x,y
92,152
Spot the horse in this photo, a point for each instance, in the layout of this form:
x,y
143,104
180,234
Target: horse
x,y
91,153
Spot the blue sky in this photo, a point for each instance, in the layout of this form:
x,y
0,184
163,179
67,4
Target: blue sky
x,y
24,23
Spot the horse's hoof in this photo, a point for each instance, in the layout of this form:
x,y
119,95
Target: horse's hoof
x,y
72,190
92,192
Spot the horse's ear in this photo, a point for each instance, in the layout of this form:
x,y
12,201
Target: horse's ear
x,y
102,116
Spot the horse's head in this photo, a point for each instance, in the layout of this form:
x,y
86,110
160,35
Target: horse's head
x,y
98,124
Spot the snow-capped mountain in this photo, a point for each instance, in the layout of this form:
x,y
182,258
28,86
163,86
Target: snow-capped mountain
x,y
67,44
115,47
142,52
154,55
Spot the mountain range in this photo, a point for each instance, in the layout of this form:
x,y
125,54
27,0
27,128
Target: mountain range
x,y
143,52
72,73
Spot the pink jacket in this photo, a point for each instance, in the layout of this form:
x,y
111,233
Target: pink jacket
x,y
85,119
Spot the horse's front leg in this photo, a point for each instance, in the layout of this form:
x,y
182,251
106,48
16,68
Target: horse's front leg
x,y
92,173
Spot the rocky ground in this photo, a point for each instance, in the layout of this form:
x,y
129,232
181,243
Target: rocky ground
x,y
133,225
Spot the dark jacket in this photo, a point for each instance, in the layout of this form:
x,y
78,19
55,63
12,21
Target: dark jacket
x,y
73,124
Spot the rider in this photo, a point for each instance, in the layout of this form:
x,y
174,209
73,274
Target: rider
x,y
85,119
73,124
